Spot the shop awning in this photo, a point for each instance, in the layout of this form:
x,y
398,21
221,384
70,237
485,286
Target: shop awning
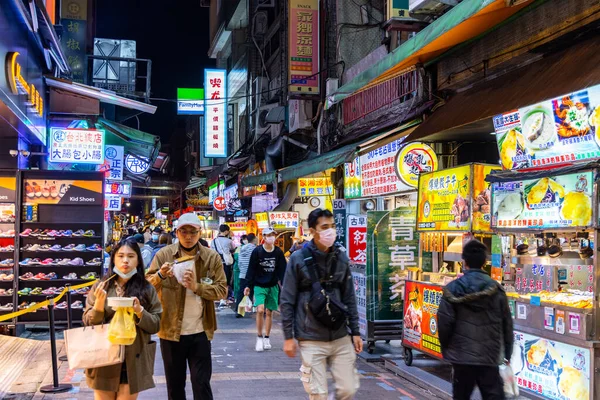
x,y
138,143
267,178
465,21
195,183
104,96
325,161
557,74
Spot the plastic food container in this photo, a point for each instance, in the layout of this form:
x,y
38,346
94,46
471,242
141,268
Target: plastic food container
x,y
118,302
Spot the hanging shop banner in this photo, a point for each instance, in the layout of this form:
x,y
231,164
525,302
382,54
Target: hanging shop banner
x,y
444,200
136,165
551,369
378,171
113,162
397,8
482,198
315,187
42,191
8,189
360,288
357,239
262,220
215,113
352,179
420,328
553,202
237,226
190,101
120,188
339,215
73,41
215,190
112,203
552,132
76,146
303,47
256,169
392,247
413,160
283,220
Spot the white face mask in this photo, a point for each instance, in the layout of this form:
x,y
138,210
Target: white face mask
x,y
327,237
270,239
125,275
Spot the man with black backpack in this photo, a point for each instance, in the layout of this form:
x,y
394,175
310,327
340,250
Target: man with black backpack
x,y
318,309
223,245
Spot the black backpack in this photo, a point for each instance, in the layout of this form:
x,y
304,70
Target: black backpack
x,y
325,307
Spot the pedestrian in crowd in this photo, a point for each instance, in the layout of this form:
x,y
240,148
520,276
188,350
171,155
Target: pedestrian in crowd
x,y
475,328
236,268
153,242
147,234
189,320
139,239
124,381
225,247
320,344
298,244
243,261
163,241
265,270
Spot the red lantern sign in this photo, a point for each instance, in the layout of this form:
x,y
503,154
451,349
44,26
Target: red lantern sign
x,y
219,204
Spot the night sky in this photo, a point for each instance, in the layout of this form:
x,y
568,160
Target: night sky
x,y
174,35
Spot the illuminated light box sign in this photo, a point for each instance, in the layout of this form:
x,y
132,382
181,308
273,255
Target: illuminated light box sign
x,y
112,203
113,162
136,165
215,113
76,146
46,191
215,190
18,84
190,101
120,188
304,47
315,187
414,159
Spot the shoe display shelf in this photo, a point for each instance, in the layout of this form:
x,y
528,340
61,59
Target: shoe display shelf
x,y
54,212
8,207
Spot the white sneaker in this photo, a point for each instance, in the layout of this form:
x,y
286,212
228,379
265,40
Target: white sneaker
x,y
267,343
222,303
259,344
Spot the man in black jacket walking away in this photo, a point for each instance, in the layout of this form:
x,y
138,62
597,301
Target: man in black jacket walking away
x,y
321,262
475,328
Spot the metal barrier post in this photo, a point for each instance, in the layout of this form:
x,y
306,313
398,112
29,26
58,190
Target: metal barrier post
x,y
69,316
56,387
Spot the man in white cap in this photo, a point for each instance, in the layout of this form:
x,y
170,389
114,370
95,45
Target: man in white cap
x,y
265,271
188,321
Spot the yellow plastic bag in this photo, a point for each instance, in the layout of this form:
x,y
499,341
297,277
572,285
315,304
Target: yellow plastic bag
x,y
245,306
121,329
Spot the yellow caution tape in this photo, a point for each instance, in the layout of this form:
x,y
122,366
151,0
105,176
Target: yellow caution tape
x,y
45,303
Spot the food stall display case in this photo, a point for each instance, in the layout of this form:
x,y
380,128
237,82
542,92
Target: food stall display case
x,y
548,221
454,206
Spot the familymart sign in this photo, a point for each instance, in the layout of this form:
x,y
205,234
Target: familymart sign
x,y
190,101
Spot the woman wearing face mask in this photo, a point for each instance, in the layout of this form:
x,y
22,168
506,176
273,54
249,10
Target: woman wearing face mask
x,y
265,272
124,381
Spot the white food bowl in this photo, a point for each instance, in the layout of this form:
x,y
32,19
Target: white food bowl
x,y
118,302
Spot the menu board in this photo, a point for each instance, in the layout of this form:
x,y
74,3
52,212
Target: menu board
x,y
378,171
420,328
482,197
552,132
357,239
552,369
534,278
552,202
445,200
360,288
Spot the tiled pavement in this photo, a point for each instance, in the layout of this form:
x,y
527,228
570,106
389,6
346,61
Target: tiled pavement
x,y
238,372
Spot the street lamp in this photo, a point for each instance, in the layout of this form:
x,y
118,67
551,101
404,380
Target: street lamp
x,y
128,204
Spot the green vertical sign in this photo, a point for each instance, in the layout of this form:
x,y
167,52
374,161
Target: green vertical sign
x,y
339,215
392,247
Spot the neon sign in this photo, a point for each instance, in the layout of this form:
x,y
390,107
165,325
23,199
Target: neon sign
x,y
18,84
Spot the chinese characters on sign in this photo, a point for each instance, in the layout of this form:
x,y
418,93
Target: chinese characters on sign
x,y
215,113
262,220
534,278
304,47
357,239
113,159
112,203
73,39
315,187
283,220
352,179
136,165
120,188
360,288
77,146
378,171
413,160
397,8
339,215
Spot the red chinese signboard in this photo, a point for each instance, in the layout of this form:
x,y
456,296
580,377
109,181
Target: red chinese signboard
x,y
421,303
304,47
357,239
215,113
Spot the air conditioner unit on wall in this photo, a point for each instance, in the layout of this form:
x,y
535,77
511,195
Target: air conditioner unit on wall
x,y
261,125
299,114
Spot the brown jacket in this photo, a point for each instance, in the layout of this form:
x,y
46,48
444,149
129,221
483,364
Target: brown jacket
x,y
139,357
172,294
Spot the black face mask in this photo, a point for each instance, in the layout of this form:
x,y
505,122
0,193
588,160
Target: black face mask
x,y
190,249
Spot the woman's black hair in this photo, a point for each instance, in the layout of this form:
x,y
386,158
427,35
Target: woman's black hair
x,y
137,285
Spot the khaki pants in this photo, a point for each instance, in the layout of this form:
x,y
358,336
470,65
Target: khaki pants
x,y
339,355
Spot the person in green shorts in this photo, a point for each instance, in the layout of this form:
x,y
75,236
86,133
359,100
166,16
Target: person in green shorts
x,y
265,272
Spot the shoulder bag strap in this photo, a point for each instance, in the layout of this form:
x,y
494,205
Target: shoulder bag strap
x,y
309,262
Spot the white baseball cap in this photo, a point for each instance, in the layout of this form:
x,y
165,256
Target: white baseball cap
x,y
268,231
189,219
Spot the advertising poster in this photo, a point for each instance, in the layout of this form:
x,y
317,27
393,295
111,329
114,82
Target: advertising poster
x,y
378,171
413,160
8,188
482,202
357,239
339,215
552,132
552,202
315,187
445,200
392,247
554,370
360,288
303,47
352,179
41,191
421,303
